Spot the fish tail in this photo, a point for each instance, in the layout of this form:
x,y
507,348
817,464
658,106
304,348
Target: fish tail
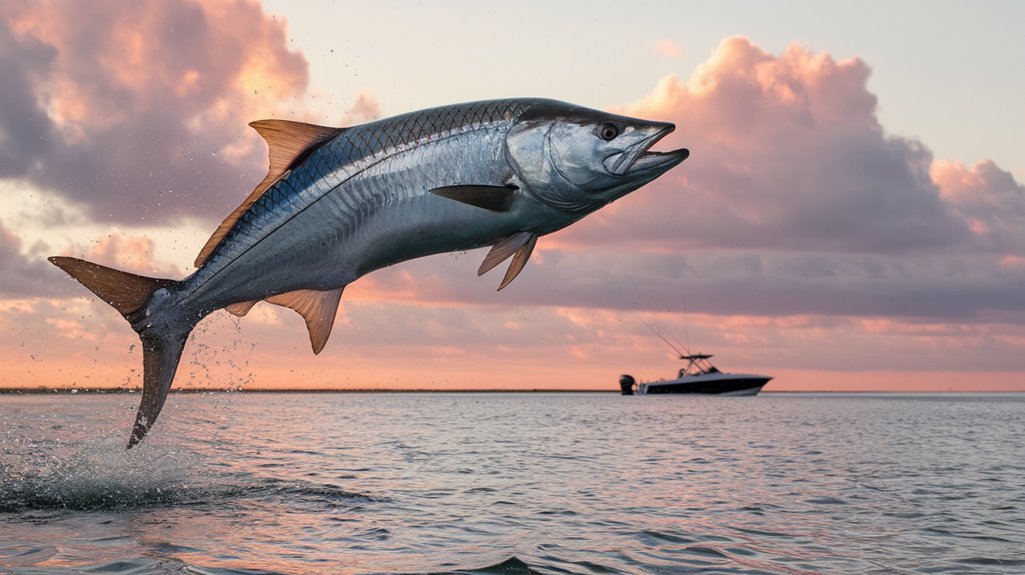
x,y
162,339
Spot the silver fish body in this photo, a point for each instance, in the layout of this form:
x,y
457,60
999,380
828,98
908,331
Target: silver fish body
x,y
340,203
363,202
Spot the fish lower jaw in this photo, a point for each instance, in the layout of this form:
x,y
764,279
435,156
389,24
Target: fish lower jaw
x,y
658,161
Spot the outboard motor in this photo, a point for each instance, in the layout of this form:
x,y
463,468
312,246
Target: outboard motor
x,y
626,384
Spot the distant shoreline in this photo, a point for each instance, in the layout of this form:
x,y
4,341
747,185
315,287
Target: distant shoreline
x,y
192,391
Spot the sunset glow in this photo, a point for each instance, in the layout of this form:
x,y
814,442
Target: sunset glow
x,y
805,237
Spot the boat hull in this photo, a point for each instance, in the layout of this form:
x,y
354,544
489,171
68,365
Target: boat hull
x,y
706,385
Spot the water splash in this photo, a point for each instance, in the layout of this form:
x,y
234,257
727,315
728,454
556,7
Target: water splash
x,y
102,475
97,474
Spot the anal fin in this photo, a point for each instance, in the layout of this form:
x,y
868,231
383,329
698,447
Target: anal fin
x,y
317,307
241,308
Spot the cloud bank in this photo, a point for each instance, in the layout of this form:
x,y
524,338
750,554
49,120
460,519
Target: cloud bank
x,y
787,153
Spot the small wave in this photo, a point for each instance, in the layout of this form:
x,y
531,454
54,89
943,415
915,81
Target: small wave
x,y
24,554
655,538
706,551
322,492
993,561
511,566
827,501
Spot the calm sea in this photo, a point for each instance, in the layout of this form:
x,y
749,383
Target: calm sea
x,y
514,483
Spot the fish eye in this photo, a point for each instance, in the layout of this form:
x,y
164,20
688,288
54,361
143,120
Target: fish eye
x,y
608,131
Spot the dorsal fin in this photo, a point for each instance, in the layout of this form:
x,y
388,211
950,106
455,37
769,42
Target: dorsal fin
x,y
502,251
318,308
519,260
288,144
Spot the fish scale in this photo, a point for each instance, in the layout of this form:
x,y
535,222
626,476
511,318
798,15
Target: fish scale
x,y
351,150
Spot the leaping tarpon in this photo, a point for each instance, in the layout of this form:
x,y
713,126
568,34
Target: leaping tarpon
x,y
339,203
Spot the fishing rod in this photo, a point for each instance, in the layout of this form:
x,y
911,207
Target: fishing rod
x,y
657,332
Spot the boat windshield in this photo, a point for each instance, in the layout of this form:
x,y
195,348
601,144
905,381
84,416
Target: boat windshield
x,y
698,365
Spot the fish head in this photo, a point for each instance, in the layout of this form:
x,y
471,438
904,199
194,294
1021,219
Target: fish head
x,y
577,159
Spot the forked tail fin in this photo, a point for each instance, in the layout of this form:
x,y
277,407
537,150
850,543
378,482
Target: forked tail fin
x,y
129,294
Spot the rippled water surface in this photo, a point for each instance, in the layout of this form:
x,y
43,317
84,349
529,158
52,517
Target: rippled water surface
x,y
514,483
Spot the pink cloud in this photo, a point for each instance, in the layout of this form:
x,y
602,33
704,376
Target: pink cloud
x,y
20,273
136,100
668,49
989,199
365,109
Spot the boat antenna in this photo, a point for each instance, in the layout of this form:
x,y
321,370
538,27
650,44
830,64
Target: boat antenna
x,y
686,323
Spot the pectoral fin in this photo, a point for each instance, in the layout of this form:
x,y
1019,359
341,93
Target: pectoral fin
x,y
318,308
492,198
519,260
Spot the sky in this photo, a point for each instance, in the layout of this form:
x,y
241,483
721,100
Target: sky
x,y
852,216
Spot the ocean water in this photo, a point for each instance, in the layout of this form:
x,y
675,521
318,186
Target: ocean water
x,y
514,483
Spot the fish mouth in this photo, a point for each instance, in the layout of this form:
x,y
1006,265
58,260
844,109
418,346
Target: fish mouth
x,y
636,158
